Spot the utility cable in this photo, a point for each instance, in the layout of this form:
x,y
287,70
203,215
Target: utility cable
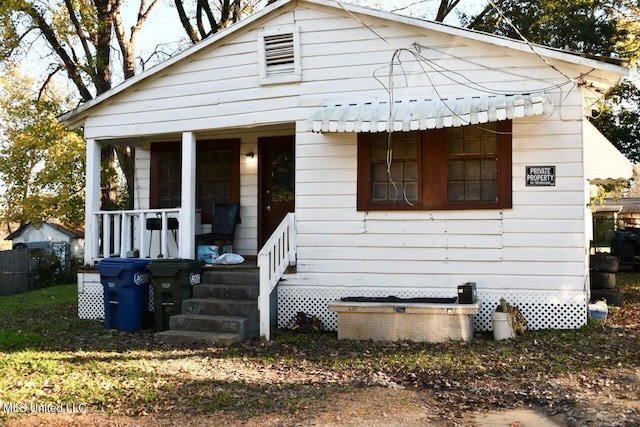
x,y
508,21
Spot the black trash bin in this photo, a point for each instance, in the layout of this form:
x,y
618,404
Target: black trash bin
x,y
172,281
125,283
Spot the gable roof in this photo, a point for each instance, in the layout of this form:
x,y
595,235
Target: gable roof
x,y
75,117
58,227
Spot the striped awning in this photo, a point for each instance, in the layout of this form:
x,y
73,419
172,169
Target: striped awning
x,y
420,114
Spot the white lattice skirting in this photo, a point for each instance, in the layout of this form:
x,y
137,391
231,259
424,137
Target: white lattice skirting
x,y
91,297
542,309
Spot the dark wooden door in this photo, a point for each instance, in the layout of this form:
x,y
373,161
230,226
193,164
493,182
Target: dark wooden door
x,y
276,162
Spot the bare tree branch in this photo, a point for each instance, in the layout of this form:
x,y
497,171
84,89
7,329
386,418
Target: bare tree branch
x,y
184,20
127,45
44,84
79,32
445,8
72,68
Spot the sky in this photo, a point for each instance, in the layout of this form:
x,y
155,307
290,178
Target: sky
x,y
165,29
164,33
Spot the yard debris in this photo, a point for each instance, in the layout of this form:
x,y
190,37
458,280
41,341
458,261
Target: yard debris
x,y
518,321
304,322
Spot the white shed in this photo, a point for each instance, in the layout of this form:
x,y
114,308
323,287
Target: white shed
x,y
412,157
47,235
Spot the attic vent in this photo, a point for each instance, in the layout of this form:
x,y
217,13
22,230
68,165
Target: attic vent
x,y
279,54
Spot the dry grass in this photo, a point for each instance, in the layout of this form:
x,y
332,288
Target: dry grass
x,y
50,357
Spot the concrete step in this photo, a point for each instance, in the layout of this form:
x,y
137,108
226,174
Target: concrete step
x,y
232,277
245,326
222,311
220,307
226,291
195,337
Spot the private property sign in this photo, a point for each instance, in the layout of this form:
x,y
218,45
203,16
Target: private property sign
x,y
541,176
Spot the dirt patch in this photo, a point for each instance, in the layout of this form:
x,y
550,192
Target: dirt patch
x,y
570,401
576,378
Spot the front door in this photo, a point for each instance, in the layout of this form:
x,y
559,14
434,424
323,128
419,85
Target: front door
x,y
276,171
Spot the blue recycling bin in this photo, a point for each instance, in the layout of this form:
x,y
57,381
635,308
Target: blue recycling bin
x,y
125,283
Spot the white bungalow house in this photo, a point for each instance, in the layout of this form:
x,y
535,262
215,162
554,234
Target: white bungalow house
x,y
382,154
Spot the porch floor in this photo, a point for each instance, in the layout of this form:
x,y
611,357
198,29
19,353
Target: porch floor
x,y
250,263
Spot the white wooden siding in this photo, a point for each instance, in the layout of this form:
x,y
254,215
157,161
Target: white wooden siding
x,y
538,244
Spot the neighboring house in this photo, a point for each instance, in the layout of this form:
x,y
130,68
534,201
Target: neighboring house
x,y
48,234
604,164
482,178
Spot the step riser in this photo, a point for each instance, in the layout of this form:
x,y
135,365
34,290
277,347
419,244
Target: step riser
x,y
220,307
238,292
242,327
173,337
231,277
221,293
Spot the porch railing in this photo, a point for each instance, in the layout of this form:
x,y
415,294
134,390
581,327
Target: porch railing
x,y
119,232
276,255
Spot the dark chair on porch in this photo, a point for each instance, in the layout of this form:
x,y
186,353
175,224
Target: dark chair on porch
x,y
224,218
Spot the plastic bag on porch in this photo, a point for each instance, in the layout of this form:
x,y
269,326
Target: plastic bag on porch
x,y
207,253
228,259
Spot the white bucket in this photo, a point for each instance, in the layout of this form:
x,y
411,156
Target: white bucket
x,y
502,329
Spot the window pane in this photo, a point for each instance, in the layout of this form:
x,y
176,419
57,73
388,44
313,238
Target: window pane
x,y
456,169
411,171
472,169
411,191
397,145
410,148
489,145
214,177
379,192
400,180
471,132
472,164
455,146
378,150
379,172
396,172
472,190
282,179
472,145
455,133
455,191
489,169
489,191
169,174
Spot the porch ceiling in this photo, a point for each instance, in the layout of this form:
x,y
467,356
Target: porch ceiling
x,y
420,114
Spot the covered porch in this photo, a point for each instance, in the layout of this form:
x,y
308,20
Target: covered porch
x,y
266,231
112,233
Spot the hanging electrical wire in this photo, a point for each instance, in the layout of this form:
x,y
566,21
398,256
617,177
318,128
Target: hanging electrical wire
x,y
429,66
510,23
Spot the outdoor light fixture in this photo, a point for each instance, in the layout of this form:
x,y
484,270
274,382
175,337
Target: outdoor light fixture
x,y
250,154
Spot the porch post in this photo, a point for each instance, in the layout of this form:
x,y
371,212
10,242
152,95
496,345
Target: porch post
x,y
188,203
92,202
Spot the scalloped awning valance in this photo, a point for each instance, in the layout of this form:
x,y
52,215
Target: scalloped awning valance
x,y
421,114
